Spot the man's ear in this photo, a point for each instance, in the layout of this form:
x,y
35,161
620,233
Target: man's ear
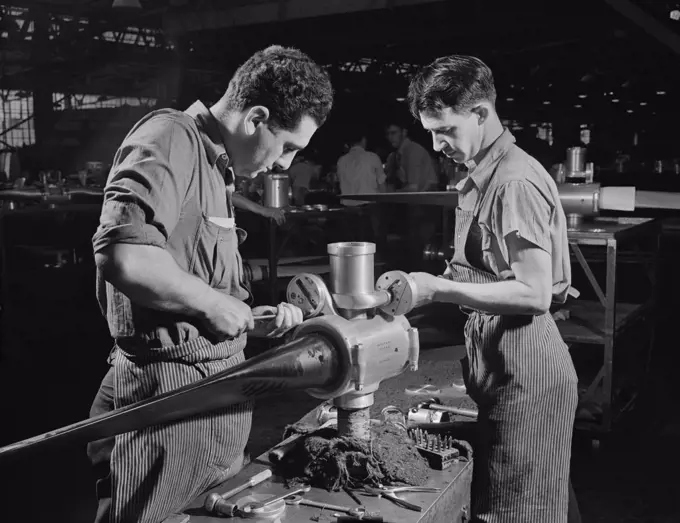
x,y
255,116
481,111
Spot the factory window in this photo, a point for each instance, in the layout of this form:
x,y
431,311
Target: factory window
x,y
16,118
137,36
63,102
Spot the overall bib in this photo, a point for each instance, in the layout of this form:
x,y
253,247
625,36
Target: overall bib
x,y
522,378
152,473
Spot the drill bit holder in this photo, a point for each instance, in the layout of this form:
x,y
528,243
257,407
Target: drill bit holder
x,y
440,451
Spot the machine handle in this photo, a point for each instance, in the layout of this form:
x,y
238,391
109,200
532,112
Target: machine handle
x,y
413,348
359,366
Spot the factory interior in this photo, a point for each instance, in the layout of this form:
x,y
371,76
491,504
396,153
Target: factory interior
x,y
587,88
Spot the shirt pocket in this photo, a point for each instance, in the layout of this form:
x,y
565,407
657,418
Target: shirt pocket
x,y
215,257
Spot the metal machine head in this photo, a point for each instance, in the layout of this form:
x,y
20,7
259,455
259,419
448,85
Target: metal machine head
x,y
401,289
310,294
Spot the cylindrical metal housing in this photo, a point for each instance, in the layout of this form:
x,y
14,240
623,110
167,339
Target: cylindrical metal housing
x,y
376,349
276,190
352,267
355,423
576,160
581,199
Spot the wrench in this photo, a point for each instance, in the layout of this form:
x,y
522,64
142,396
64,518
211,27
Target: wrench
x,y
357,512
259,504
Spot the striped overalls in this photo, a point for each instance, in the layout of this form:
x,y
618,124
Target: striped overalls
x,y
523,380
147,475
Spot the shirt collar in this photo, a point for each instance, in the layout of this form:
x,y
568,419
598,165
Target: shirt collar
x,y
209,131
480,173
211,138
356,147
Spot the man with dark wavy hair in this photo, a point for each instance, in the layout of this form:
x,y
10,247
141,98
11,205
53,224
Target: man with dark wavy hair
x,y
511,261
170,281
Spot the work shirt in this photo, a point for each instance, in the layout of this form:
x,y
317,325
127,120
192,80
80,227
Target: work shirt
x,y
525,202
415,166
170,187
359,172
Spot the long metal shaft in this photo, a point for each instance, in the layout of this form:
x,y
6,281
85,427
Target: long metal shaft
x,y
308,362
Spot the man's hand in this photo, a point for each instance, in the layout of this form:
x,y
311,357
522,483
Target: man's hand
x,y
287,317
241,202
278,215
227,317
427,286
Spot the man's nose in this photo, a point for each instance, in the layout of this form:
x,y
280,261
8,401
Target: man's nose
x,y
437,143
282,164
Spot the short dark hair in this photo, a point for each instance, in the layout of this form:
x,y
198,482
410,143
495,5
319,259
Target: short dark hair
x,y
396,123
285,81
455,81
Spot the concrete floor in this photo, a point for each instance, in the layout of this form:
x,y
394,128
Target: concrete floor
x,y
633,478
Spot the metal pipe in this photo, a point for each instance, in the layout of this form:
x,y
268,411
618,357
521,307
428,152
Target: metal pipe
x,y
580,199
308,362
657,200
576,160
355,423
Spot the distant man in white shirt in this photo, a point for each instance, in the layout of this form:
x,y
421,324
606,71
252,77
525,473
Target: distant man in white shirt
x,y
410,162
411,169
361,172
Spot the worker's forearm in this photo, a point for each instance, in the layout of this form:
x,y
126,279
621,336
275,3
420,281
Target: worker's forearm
x,y
243,203
150,277
504,297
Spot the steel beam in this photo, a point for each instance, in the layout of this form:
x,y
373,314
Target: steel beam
x,y
647,22
184,21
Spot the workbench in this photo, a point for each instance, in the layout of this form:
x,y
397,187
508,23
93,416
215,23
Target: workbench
x,y
450,505
602,322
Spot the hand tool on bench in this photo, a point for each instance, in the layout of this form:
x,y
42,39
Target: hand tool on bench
x,y
422,411
366,518
391,494
358,512
260,504
216,503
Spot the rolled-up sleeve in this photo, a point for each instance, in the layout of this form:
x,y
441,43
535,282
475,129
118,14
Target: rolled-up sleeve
x,y
149,179
520,208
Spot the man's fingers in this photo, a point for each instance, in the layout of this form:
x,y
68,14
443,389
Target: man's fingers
x,y
288,320
298,318
280,315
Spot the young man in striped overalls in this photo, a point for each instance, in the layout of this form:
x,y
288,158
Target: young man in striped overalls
x,y
170,281
511,261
